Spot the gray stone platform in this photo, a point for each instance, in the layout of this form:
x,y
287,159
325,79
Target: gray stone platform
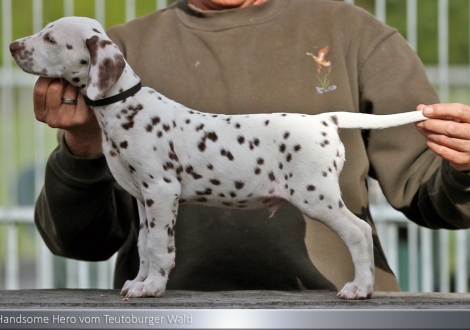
x,y
103,299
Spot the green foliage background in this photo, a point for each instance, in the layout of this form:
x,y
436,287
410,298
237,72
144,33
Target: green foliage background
x,y
459,14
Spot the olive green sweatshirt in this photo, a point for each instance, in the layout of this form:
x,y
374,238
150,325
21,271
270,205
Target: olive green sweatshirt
x,y
303,56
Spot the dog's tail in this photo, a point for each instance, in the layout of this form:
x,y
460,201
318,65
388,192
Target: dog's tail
x,y
368,121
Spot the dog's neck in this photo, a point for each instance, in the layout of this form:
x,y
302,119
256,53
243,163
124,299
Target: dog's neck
x,y
127,80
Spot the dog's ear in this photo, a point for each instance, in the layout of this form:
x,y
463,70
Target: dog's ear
x,y
106,66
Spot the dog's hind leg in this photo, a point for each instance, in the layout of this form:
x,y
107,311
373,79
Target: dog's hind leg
x,y
329,209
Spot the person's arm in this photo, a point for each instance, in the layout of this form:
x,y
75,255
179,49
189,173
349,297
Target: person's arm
x,y
415,180
81,212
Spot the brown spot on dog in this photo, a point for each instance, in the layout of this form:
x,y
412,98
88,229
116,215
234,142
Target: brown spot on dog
x,y
127,125
334,119
215,182
155,120
239,184
196,176
212,136
311,187
271,176
149,202
201,146
325,143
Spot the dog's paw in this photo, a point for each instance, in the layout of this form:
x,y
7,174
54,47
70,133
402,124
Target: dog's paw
x,y
127,286
353,290
148,288
130,283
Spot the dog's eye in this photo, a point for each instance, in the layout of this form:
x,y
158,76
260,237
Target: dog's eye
x,y
49,38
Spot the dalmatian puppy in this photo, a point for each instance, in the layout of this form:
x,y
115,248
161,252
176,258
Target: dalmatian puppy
x,y
165,154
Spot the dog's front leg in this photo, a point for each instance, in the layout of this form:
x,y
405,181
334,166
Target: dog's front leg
x,y
161,206
142,247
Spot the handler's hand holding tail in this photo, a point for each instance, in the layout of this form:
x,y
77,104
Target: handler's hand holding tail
x,y
82,132
448,132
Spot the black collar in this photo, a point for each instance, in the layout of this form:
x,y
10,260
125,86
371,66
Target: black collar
x,y
113,99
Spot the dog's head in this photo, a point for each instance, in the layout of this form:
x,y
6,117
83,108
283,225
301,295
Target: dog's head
x,y
76,49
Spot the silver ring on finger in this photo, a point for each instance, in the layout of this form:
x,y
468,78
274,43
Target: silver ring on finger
x,y
69,101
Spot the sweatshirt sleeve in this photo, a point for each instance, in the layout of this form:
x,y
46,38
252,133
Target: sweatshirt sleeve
x,y
81,212
414,179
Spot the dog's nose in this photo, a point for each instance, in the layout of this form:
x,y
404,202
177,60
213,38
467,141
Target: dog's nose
x,y
14,47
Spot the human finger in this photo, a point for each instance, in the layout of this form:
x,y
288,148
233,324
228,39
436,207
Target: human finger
x,y
448,111
39,97
449,128
458,160
70,95
53,103
457,144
